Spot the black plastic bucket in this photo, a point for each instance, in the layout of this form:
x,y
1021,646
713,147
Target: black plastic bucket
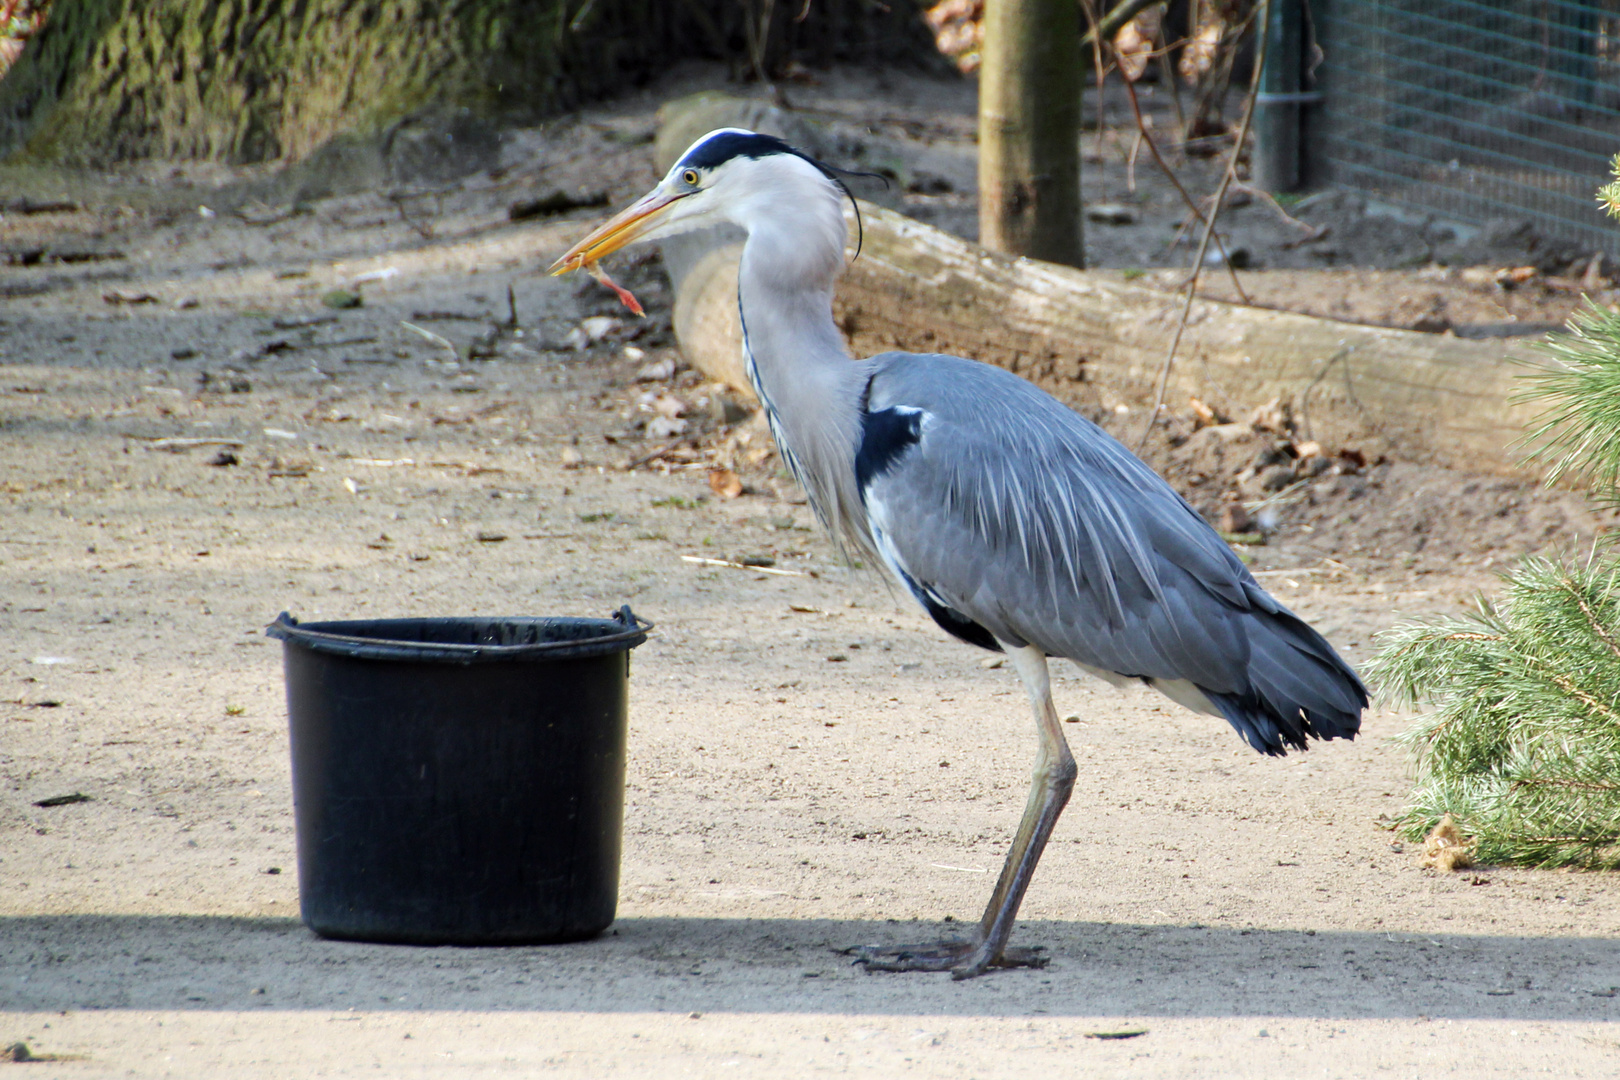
x,y
458,781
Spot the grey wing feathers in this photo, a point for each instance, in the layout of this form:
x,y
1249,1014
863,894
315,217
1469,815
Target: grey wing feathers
x,y
993,500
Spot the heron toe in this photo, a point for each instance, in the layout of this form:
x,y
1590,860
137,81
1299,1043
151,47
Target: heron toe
x,y
963,959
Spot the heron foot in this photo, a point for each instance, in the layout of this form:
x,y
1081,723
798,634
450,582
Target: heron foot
x,y
963,959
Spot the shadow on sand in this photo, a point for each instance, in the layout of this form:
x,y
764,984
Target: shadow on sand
x,y
794,966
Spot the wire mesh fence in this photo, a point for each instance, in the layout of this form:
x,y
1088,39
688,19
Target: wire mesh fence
x,y
1474,109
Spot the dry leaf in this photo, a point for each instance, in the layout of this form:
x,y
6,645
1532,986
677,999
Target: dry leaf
x,y
725,483
1445,849
1274,415
1133,44
1206,415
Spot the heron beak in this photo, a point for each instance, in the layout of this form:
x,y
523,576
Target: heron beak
x,y
625,228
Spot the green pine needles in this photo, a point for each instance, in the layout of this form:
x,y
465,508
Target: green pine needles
x,y
1523,745
1608,195
1579,431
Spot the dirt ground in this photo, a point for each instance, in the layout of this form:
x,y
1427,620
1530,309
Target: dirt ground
x,y
813,765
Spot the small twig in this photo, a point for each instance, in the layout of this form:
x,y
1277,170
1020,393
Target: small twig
x,y
1278,496
1164,166
1312,232
424,230
581,17
341,343
440,316
742,566
1258,17
654,455
1088,6
1167,73
1592,620
1112,23
757,34
303,322
272,215
1577,785
1191,285
1143,135
431,336
1305,395
176,445
1130,158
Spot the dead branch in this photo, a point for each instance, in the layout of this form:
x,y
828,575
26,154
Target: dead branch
x,y
1191,284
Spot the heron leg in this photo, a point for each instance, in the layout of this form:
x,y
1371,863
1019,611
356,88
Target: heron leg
x,y
1049,792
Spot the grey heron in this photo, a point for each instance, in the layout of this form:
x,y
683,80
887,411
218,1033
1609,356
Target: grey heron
x,y
1017,524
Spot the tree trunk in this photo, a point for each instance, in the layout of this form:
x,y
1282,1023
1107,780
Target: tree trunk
x,y
1029,130
248,81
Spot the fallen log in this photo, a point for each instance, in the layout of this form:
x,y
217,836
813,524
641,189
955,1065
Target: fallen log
x,y
1098,342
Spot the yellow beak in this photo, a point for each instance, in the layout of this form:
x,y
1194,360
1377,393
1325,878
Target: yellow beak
x,y
623,229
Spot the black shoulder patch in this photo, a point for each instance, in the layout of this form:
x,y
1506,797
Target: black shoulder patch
x,y
885,437
714,152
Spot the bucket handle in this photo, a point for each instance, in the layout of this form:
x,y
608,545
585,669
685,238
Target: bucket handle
x,y
634,626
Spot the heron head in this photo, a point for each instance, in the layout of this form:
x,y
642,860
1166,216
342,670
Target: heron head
x,y
728,176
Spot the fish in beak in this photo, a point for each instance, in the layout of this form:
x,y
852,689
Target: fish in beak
x,y
623,229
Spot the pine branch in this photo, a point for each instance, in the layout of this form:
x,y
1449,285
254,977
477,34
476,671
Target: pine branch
x,y
1522,743
1579,431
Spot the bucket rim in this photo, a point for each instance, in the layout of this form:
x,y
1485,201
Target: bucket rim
x,y
287,629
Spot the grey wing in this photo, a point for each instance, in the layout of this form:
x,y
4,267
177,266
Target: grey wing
x,y
1014,520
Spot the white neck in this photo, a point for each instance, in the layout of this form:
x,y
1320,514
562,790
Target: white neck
x,y
796,357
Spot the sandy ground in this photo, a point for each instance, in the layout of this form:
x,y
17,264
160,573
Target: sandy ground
x,y
812,764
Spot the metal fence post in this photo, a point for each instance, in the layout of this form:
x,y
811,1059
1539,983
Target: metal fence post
x,y
1277,107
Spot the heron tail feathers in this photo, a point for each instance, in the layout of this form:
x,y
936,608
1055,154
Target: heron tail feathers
x,y
1299,688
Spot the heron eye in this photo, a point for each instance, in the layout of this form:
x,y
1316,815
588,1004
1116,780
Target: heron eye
x,y
690,177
